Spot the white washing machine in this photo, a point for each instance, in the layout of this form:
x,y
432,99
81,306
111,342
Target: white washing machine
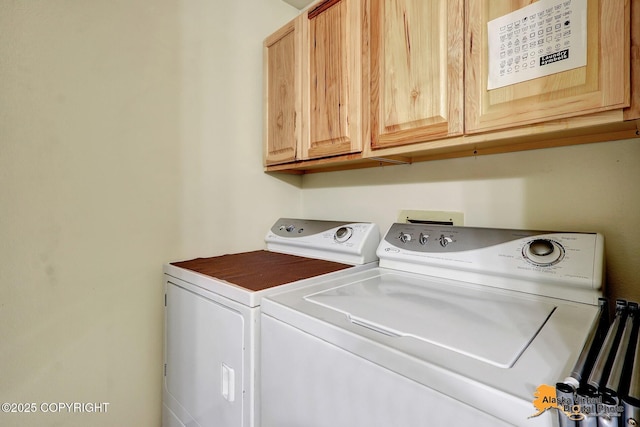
x,y
212,318
457,326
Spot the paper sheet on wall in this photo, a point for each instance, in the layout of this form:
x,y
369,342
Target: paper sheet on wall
x,y
546,37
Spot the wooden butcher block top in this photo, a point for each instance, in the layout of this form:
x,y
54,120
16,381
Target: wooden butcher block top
x,y
258,270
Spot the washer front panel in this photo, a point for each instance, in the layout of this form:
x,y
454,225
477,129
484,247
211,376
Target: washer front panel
x,y
474,380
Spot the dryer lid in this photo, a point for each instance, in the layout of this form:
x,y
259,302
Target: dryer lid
x,y
486,324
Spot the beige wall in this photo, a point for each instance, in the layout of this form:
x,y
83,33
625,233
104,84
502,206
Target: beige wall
x,y
592,187
130,135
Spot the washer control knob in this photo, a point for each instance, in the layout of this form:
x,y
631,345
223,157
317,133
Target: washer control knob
x,y
405,237
543,252
343,234
424,238
444,240
541,247
290,228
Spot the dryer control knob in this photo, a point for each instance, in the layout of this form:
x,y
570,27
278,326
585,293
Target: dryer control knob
x,y
343,234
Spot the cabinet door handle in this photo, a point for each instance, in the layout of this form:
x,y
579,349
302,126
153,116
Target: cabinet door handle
x,y
228,383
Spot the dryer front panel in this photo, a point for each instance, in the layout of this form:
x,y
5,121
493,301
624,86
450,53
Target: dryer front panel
x,y
204,358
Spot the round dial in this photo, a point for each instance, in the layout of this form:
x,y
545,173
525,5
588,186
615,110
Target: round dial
x,y
543,252
423,239
343,234
405,237
445,240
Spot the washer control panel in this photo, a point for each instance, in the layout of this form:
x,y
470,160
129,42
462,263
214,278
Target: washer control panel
x,y
548,256
339,241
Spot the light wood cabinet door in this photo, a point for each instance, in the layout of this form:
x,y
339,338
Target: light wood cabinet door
x,y
416,70
602,84
282,88
332,78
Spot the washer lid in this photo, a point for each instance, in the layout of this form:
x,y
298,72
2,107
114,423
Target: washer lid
x,y
492,327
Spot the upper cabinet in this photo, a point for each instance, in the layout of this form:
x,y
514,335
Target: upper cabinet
x,y
333,64
358,83
602,84
314,67
282,95
417,70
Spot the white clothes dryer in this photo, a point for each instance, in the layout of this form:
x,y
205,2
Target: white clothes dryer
x,y
212,322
